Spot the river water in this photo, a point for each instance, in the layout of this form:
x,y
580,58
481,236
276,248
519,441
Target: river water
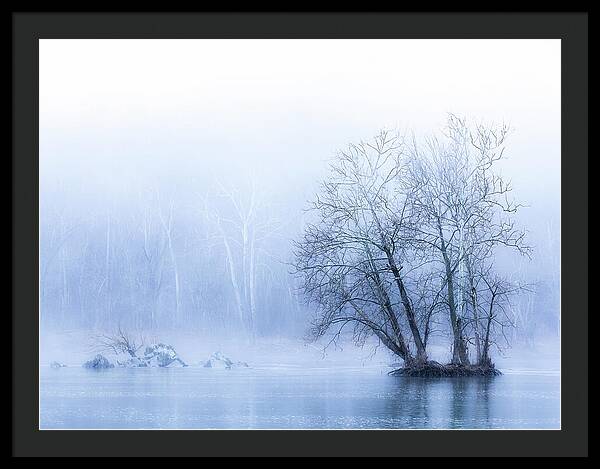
x,y
292,398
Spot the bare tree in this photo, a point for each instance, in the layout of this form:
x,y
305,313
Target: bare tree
x,y
464,209
117,343
167,224
244,225
405,235
495,293
150,278
350,260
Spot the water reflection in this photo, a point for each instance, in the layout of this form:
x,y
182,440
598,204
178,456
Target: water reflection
x,y
426,402
409,400
199,398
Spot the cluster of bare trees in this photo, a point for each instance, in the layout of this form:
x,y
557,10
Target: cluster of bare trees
x,y
210,259
404,242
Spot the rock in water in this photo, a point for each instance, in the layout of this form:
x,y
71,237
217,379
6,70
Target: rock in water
x,y
218,360
57,365
98,362
162,355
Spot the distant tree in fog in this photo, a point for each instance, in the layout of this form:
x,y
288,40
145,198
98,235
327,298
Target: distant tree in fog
x,y
242,222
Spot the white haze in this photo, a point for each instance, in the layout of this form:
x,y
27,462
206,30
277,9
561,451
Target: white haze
x,y
118,117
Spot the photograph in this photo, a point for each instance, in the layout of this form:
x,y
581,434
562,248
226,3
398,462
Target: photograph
x,y
300,234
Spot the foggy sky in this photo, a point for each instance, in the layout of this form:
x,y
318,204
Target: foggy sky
x,y
282,107
118,116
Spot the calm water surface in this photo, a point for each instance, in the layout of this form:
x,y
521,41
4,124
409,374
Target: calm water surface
x,y
197,398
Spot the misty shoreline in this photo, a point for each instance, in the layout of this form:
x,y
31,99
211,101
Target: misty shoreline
x,y
74,347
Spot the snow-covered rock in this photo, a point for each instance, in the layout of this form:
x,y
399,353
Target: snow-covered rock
x,y
218,360
131,362
98,362
162,355
57,365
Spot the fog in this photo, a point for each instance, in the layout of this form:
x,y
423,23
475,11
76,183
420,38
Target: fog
x,y
158,157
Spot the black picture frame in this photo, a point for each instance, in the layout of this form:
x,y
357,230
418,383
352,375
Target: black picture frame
x,y
571,440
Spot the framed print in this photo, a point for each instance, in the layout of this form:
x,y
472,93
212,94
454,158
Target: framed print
x,y
285,234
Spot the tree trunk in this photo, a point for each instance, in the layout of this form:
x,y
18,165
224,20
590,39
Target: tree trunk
x,y
176,276
233,277
410,314
473,298
485,358
108,283
386,306
459,349
398,347
251,287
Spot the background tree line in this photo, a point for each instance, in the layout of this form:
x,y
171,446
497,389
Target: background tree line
x,y
212,260
396,216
